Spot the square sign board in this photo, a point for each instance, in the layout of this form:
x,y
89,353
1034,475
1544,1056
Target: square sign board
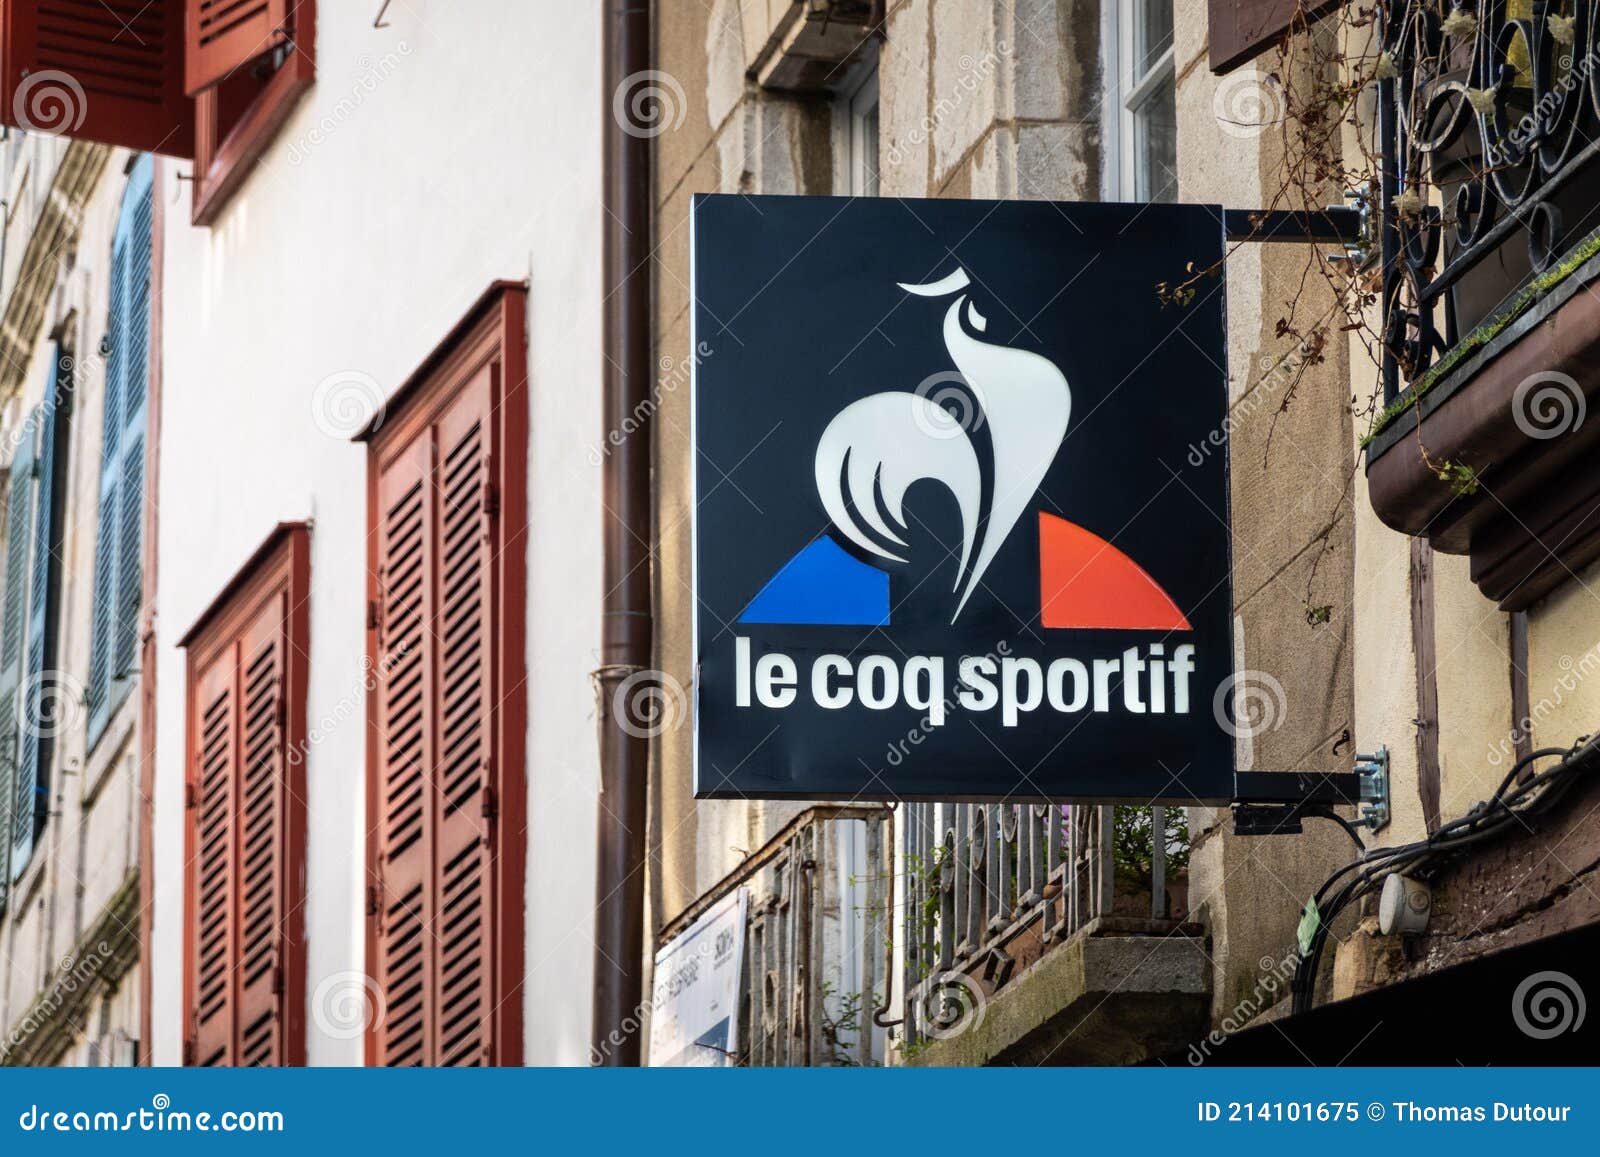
x,y
961,500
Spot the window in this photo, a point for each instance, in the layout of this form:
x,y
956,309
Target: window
x,y
245,822
862,112
29,610
245,77
447,474
1141,162
208,79
119,528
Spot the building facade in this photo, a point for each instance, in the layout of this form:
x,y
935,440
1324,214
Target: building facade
x,y
307,528
77,277
1363,617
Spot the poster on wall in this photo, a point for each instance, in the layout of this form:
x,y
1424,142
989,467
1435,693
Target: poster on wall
x,y
961,500
695,1007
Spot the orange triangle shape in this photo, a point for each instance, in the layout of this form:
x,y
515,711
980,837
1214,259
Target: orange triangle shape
x,y
1085,582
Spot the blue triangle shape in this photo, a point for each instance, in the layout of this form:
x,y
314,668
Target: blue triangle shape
x,y
822,584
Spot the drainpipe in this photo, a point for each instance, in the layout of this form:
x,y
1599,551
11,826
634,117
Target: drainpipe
x,y
625,537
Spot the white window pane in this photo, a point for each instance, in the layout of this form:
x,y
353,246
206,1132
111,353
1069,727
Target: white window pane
x,y
1155,142
1155,33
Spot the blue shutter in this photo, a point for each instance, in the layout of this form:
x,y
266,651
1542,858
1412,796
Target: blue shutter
x,y
119,532
13,628
40,710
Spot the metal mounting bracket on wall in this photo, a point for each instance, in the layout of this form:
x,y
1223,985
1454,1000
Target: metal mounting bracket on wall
x,y
1273,803
1374,772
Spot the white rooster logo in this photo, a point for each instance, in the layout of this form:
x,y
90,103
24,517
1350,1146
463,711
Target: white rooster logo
x,y
875,449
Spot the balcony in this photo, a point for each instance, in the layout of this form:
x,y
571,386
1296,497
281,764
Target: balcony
x,y
1019,934
1042,934
1491,248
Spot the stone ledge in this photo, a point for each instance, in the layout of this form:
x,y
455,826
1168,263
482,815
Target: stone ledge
x,y
1096,1000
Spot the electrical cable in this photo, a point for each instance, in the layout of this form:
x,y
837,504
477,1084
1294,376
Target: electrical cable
x,y
1330,814
1487,820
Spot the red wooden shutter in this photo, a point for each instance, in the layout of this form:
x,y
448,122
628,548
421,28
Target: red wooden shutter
x,y
405,811
447,719
212,859
226,35
464,761
1243,29
245,984
111,72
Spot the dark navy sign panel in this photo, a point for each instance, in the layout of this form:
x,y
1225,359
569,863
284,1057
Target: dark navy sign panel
x,y
953,535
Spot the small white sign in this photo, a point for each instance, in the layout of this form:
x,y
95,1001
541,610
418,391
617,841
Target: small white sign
x,y
695,1011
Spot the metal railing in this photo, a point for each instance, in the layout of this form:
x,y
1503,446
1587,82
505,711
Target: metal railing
x,y
1489,118
989,887
976,892
819,897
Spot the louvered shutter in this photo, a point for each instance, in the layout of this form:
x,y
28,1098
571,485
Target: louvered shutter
x,y
13,633
403,963
226,35
437,942
245,851
464,758
109,71
1243,29
38,711
439,933
119,560
212,857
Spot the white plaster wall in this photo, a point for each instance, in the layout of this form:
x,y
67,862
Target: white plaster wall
x,y
454,147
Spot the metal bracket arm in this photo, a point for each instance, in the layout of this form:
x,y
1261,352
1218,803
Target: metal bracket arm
x,y
1275,802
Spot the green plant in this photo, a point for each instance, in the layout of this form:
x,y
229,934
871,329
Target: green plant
x,y
1131,846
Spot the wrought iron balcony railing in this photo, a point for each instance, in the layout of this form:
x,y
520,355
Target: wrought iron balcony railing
x,y
1489,127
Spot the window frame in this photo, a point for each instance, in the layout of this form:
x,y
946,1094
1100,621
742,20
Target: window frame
x,y
224,153
112,472
1127,94
860,109
41,636
490,336
281,564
